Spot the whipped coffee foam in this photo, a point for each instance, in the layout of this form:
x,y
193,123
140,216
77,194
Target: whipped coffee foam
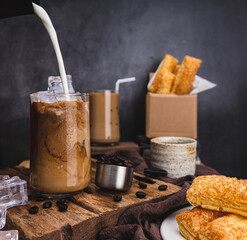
x,y
42,14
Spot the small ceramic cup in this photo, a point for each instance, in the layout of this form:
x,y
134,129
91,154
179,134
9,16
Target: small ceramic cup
x,y
177,155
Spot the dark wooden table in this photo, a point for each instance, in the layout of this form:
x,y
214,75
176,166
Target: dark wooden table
x,y
87,213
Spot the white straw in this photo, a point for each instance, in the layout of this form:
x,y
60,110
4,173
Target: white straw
x,y
124,80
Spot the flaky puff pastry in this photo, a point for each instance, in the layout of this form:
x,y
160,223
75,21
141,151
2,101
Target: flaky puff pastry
x,y
185,75
166,82
191,221
177,69
231,227
219,193
168,64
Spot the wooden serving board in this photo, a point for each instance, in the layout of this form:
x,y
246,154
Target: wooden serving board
x,y
96,150
86,214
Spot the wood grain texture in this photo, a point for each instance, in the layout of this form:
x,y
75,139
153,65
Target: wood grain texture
x,y
87,213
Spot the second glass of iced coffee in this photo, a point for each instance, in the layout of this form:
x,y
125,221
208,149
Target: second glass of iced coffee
x,y
104,117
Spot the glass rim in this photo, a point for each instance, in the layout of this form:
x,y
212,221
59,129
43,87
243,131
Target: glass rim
x,y
63,94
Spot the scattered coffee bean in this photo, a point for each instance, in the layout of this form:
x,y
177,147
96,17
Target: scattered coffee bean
x,y
153,172
61,201
140,194
33,210
40,199
144,179
117,198
142,185
47,204
30,197
87,190
162,187
62,207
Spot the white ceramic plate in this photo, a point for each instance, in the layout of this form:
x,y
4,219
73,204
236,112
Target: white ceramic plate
x,y
169,227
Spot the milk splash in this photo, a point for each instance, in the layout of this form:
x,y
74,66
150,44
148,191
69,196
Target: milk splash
x,y
42,14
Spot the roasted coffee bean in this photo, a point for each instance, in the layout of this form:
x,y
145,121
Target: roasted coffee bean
x,y
62,207
142,185
117,197
40,199
30,197
61,201
152,172
144,179
162,187
47,204
140,194
33,210
87,190
117,160
121,158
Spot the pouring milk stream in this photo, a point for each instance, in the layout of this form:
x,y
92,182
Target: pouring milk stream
x,y
42,14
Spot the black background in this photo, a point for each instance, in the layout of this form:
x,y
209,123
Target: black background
x,y
102,41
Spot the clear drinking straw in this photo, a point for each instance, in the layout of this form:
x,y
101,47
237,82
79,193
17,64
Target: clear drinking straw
x,y
124,80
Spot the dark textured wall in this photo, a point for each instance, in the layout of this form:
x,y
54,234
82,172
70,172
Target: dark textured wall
x,y
102,41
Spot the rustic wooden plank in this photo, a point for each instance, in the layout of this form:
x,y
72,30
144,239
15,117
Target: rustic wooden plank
x,y
87,213
48,223
14,172
97,150
102,200
25,164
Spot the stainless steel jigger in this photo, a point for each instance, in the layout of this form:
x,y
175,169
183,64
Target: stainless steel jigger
x,y
113,177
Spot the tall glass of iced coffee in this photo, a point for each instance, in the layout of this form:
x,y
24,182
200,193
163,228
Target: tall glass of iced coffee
x,y
60,142
104,117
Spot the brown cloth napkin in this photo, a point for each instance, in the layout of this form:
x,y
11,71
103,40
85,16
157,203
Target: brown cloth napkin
x,y
143,221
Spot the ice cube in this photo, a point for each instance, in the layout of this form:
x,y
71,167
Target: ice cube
x,y
55,91
9,235
13,192
43,96
3,177
48,97
2,217
55,84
